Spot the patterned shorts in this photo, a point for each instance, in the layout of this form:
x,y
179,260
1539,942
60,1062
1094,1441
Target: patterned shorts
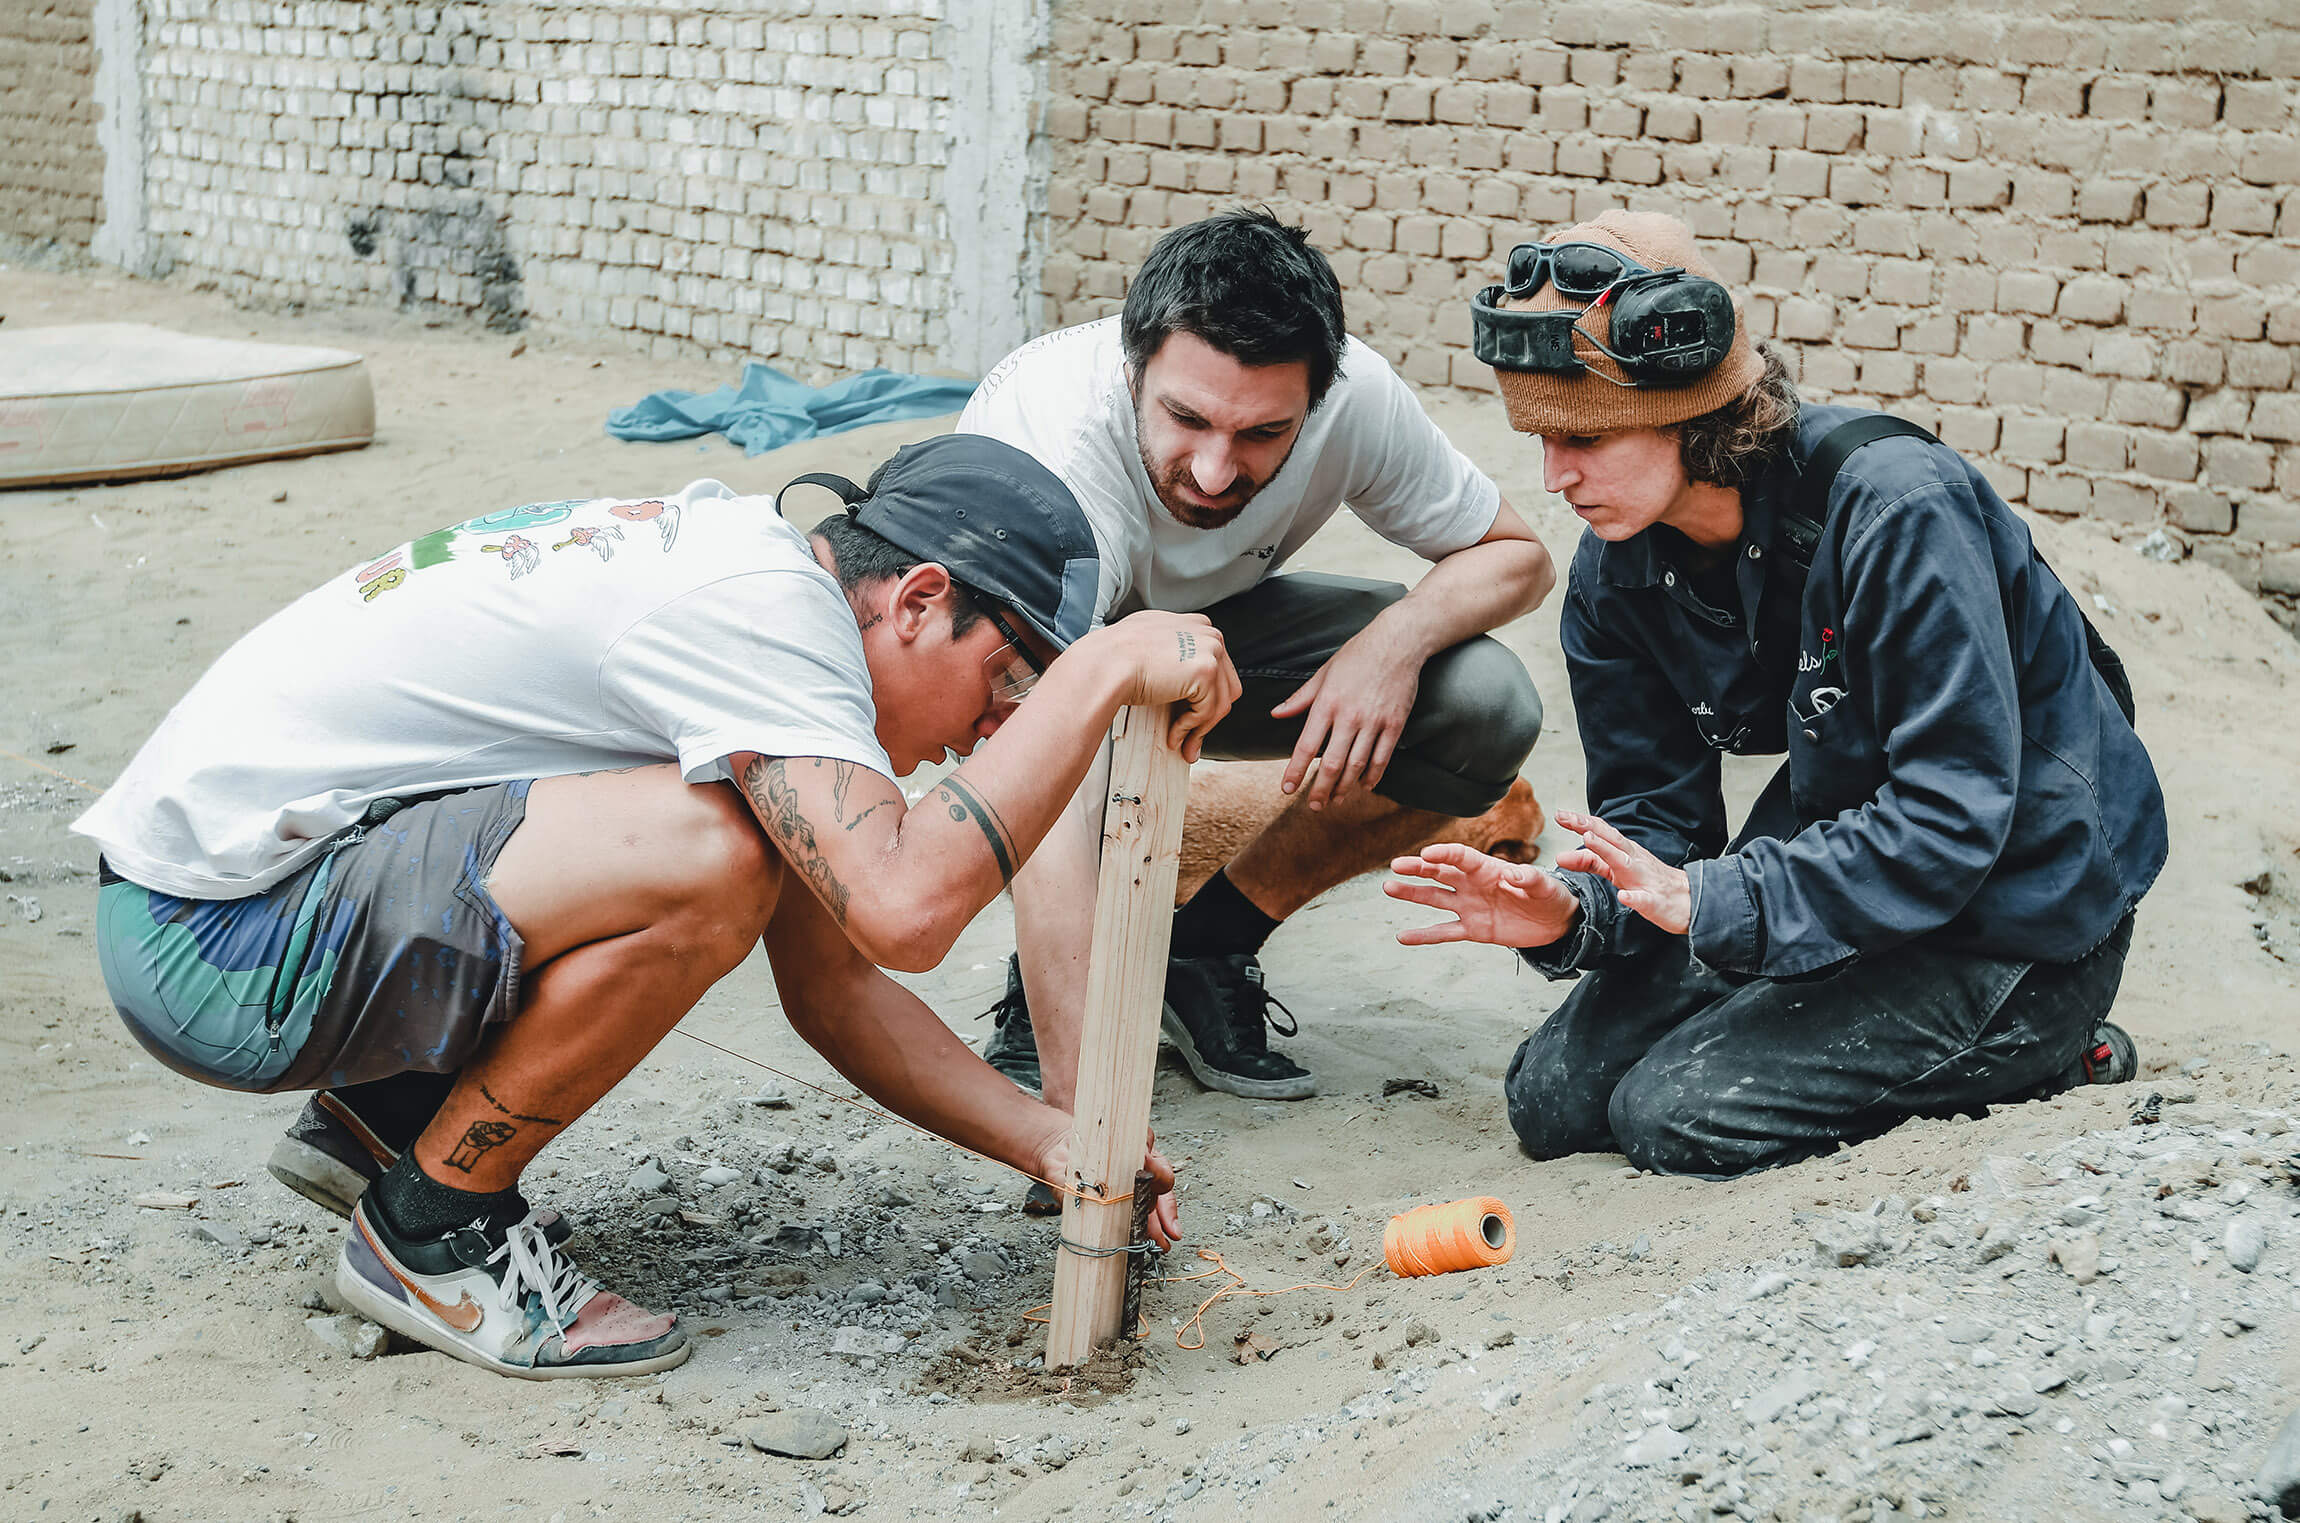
x,y
384,955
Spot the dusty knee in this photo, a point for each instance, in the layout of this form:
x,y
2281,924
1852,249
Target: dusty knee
x,y
1667,1124
1548,1109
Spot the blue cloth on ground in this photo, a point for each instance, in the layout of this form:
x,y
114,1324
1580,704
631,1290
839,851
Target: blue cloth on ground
x,y
768,409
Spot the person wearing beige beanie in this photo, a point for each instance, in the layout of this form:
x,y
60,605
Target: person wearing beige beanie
x,y
1927,910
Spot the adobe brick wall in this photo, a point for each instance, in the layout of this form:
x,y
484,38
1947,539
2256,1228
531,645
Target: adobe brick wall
x,y
51,171
722,176
2070,243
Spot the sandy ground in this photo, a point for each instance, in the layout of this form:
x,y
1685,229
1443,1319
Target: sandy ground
x,y
154,1368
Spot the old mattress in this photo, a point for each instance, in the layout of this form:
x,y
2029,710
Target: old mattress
x,y
109,401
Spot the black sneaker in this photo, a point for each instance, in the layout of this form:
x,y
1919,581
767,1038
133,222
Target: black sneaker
x,y
1013,1047
499,1295
2111,1059
1216,1010
330,1156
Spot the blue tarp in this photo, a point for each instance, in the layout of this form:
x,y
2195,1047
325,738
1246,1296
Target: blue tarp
x,y
768,409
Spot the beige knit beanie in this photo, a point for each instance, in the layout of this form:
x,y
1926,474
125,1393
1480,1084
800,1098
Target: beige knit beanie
x,y
1540,403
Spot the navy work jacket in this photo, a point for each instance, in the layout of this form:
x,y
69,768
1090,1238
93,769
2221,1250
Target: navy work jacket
x,y
1957,766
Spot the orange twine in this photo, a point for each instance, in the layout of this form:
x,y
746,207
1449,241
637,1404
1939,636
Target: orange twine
x,y
1461,1234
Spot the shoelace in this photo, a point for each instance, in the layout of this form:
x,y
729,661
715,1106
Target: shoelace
x,y
1256,1006
536,1265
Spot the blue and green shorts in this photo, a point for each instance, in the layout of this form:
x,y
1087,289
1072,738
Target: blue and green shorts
x,y
385,954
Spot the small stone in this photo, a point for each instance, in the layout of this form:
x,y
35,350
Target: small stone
x,y
1657,1445
801,1434
220,1235
771,1097
346,1334
166,1200
868,1293
2244,1244
1780,1397
982,1266
2015,1403
2002,1237
853,1343
1189,1489
719,1174
648,1179
1969,1330
2080,1256
1771,1283
978,1451
1683,1418
1181,1425
1846,1241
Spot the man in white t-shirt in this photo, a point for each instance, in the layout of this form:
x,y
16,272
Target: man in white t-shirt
x,y
1208,432
457,837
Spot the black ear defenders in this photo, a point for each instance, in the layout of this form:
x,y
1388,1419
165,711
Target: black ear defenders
x,y
1669,327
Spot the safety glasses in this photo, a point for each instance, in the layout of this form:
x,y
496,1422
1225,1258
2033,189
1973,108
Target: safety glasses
x,y
1012,669
1579,271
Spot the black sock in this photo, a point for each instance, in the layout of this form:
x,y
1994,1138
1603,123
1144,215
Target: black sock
x,y
417,1206
397,1109
1220,922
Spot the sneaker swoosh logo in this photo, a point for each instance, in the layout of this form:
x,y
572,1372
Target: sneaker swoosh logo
x,y
464,1316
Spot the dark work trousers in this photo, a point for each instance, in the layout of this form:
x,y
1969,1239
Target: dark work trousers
x,y
1686,1070
1474,720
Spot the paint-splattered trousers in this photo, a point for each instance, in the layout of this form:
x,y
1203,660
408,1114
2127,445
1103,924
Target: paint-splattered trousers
x,y
1687,1070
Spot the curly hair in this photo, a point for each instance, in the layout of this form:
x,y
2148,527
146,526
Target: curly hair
x,y
1728,446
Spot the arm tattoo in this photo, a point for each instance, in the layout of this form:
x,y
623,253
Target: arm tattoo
x,y
778,809
964,801
842,778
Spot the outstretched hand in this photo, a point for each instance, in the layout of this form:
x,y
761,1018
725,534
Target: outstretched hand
x,y
1506,904
1641,881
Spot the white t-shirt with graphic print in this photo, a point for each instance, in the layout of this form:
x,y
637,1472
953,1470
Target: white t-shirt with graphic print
x,y
1064,399
553,638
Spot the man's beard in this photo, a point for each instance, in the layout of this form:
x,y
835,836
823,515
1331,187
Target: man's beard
x,y
1170,483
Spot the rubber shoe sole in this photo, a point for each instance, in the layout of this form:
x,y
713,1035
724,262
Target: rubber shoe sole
x,y
2112,1058
1170,1024
360,1295
324,1181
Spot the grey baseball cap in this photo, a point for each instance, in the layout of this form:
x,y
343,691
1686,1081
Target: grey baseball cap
x,y
996,519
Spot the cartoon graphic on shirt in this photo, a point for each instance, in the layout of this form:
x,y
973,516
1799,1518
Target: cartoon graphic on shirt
x,y
518,552
380,576
665,516
593,538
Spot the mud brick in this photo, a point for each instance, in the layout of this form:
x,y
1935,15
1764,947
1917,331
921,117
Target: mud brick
x,y
1704,77
2269,522
1835,129
2200,511
2256,105
2240,561
1804,318
2126,502
2073,394
2147,402
2220,412
1542,66
1856,185
2098,446
2117,99
1796,173
1979,185
2267,367
1673,120
1757,77
2276,416
1818,79
2053,492
2102,200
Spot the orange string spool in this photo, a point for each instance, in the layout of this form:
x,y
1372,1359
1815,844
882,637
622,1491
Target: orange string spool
x,y
1461,1234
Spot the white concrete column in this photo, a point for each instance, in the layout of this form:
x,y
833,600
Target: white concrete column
x,y
994,177
123,235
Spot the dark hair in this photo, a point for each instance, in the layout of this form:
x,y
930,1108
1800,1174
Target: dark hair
x,y
864,556
1248,285
1729,445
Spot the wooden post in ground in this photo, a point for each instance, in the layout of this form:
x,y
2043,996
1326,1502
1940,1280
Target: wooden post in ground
x,y
1118,1045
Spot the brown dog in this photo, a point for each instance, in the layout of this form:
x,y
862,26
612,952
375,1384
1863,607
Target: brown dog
x,y
1230,803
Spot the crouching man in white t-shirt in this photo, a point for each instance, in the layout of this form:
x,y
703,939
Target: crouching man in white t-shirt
x,y
456,838
1209,431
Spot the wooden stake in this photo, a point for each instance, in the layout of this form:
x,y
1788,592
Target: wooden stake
x,y
1118,1044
